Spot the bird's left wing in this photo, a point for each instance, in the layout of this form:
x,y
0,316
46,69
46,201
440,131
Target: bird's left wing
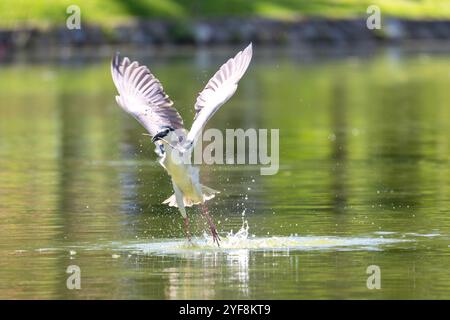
x,y
142,95
218,90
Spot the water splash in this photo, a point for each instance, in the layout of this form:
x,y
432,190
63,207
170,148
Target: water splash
x,y
237,246
233,242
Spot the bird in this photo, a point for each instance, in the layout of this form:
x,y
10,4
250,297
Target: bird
x,y
141,95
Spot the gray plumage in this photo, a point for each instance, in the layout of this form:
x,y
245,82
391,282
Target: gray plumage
x,y
142,95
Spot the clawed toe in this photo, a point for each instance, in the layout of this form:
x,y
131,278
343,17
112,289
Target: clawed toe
x,y
212,227
215,236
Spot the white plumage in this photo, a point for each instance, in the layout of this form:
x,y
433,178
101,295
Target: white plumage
x,y
142,95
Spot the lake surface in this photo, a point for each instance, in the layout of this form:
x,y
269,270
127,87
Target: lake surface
x,y
364,180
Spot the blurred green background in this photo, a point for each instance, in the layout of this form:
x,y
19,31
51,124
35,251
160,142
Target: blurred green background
x,y
364,153
111,12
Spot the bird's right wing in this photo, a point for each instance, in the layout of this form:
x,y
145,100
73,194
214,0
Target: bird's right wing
x,y
142,95
218,90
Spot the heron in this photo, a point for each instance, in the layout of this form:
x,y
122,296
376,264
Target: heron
x,y
141,95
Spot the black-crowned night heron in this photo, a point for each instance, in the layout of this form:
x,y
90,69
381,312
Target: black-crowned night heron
x,y
142,95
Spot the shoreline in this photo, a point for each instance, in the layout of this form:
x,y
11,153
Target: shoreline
x,y
230,31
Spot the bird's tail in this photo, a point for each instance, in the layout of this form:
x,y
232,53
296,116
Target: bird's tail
x,y
208,194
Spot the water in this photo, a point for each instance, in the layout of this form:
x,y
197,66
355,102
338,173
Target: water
x,y
364,180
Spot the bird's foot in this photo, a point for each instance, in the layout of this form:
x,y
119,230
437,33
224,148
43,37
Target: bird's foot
x,y
212,227
215,235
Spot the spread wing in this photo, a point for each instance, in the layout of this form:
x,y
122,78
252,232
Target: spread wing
x,y
142,96
218,90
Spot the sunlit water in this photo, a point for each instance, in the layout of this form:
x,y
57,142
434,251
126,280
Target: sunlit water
x,y
240,242
363,180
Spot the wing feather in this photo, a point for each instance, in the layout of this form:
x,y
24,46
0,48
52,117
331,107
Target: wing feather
x,y
142,95
218,90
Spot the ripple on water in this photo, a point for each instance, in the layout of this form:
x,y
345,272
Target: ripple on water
x,y
241,240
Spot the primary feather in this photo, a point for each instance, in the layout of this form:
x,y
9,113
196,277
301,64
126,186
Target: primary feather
x,y
218,90
142,95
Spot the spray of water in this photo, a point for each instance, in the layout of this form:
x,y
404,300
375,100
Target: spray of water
x,y
240,241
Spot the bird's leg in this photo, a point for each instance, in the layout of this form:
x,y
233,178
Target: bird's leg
x,y
186,228
212,227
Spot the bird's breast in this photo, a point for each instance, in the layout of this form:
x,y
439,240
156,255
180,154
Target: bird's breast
x,y
183,175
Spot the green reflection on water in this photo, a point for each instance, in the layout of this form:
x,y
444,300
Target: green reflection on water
x,y
364,151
